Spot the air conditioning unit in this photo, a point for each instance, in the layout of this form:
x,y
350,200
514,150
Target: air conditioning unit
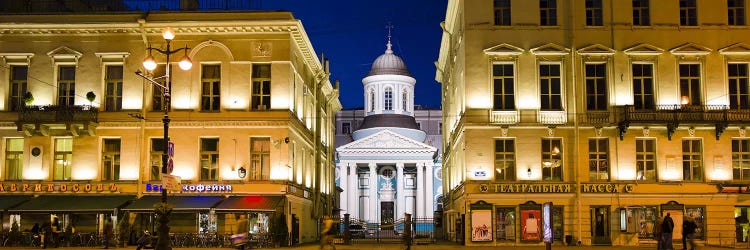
x,y
37,153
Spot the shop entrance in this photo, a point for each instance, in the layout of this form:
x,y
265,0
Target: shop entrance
x,y
600,225
741,224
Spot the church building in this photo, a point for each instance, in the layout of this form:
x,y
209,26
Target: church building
x,y
387,153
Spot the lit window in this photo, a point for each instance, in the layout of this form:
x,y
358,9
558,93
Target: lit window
x,y
260,158
645,159
63,159
505,160
598,159
692,159
13,159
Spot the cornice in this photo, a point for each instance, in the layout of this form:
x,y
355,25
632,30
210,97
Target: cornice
x,y
189,124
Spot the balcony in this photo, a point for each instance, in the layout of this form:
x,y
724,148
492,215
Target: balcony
x,y
674,115
57,120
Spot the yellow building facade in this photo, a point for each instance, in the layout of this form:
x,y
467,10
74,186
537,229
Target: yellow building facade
x,y
600,115
252,121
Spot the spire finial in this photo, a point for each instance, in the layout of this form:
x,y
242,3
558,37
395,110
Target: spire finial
x,y
388,46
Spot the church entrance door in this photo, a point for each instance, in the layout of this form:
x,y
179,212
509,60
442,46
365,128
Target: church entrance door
x,y
386,214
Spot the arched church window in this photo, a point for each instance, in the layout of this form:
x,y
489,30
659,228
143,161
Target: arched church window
x,y
372,100
405,100
388,99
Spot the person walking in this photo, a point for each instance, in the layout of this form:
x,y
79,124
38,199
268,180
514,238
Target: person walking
x,y
667,227
688,233
107,231
241,231
657,233
327,234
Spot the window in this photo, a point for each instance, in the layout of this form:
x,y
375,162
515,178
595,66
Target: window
x,y
211,87
113,91
639,220
63,159
157,151
14,159
405,101
260,158
741,159
505,160
699,217
502,12
692,160
736,12
547,12
645,159
598,159
551,88
594,13
552,159
66,85
596,86
18,86
388,99
643,86
346,128
209,159
688,13
111,160
261,95
506,223
503,93
690,81
372,100
739,95
440,129
641,15
158,101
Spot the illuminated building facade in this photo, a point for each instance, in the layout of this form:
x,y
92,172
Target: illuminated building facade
x,y
617,112
252,122
387,162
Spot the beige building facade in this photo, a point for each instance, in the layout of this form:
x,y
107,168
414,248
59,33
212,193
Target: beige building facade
x,y
252,121
615,112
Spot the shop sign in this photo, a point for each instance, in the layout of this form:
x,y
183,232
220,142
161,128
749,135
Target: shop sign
x,y
56,187
525,188
197,188
607,188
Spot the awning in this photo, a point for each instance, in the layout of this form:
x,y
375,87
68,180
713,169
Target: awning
x,y
9,201
250,203
73,203
146,203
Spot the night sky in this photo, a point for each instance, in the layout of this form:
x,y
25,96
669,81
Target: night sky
x,y
352,33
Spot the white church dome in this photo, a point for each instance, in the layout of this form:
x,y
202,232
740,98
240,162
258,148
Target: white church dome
x,y
388,64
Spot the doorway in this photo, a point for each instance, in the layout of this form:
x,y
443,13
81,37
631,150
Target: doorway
x,y
386,214
600,225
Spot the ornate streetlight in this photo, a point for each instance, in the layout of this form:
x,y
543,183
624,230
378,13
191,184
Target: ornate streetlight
x,y
163,210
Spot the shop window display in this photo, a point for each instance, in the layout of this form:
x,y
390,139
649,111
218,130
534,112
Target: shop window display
x,y
639,220
698,215
741,223
505,223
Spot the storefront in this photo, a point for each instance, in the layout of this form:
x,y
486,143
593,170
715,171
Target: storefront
x,y
81,213
190,214
7,202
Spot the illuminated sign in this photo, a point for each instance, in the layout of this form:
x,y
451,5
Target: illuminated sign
x,y
197,188
555,188
56,187
607,188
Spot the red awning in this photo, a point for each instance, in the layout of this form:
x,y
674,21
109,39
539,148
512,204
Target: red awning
x,y
251,203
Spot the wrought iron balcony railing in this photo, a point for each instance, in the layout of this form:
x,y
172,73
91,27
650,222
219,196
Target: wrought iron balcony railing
x,y
674,115
51,114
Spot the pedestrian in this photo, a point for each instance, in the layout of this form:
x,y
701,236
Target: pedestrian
x,y
241,232
327,234
657,233
107,231
46,232
55,228
667,226
688,233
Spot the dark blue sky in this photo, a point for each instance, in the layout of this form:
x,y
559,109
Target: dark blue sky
x,y
352,33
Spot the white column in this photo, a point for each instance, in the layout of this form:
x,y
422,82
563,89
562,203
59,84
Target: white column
x,y
400,203
373,207
353,192
420,191
344,182
429,193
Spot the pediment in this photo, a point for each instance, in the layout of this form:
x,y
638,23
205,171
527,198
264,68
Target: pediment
x,y
644,49
64,52
503,50
691,49
596,50
736,49
550,49
386,140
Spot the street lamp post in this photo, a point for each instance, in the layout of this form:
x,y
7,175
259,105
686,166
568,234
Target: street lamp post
x,y
149,63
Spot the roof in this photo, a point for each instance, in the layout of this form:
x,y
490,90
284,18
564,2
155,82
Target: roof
x,y
388,64
389,120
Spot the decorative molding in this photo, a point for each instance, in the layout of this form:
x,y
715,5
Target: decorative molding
x,y
596,50
598,132
197,124
690,49
644,49
646,131
64,54
112,57
261,49
23,58
742,132
503,50
738,49
691,131
213,43
550,49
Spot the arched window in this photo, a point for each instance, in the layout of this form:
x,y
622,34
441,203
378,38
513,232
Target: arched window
x,y
388,99
372,100
405,100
